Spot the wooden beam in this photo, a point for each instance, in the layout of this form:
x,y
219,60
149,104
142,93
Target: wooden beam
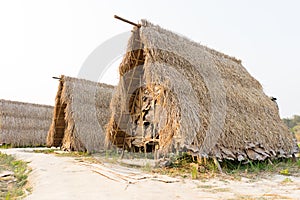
x,y
127,21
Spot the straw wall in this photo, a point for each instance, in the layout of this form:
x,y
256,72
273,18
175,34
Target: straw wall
x,y
24,124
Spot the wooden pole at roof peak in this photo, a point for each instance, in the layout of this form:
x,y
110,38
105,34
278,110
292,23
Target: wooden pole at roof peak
x,y
127,21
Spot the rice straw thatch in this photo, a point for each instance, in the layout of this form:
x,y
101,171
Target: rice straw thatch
x,y
80,115
175,94
24,124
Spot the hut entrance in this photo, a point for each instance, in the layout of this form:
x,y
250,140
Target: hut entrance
x,y
145,111
131,125
138,124
59,119
60,125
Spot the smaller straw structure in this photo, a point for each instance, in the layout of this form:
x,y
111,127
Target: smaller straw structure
x,y
80,115
24,124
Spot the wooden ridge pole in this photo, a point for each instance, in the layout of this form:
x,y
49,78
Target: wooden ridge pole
x,y
127,21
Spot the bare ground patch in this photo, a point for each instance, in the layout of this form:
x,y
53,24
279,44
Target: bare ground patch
x,y
57,176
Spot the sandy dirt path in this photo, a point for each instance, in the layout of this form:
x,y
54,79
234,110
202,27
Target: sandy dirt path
x,y
67,178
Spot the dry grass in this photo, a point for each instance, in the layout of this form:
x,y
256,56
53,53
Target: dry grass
x,y
186,167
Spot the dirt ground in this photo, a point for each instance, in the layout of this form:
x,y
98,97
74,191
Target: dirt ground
x,y
56,177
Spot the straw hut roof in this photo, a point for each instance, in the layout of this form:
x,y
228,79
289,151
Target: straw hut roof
x,y
174,93
80,114
24,124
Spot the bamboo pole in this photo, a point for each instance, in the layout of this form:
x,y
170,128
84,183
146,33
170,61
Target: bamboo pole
x,y
127,21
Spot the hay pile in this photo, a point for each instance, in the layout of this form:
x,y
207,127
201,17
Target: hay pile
x,y
80,115
175,94
24,124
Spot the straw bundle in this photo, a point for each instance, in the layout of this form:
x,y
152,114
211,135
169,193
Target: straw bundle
x,y
177,94
24,124
80,115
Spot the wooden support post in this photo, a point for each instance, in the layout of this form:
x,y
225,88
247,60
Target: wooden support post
x,y
270,162
218,165
123,148
156,152
204,161
199,160
294,158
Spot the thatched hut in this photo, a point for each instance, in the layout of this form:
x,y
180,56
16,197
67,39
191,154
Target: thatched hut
x,y
24,124
174,93
80,114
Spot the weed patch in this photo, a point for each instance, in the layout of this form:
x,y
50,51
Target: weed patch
x,y
187,166
14,187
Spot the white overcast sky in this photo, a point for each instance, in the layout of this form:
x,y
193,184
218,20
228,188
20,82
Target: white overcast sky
x,y
40,39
